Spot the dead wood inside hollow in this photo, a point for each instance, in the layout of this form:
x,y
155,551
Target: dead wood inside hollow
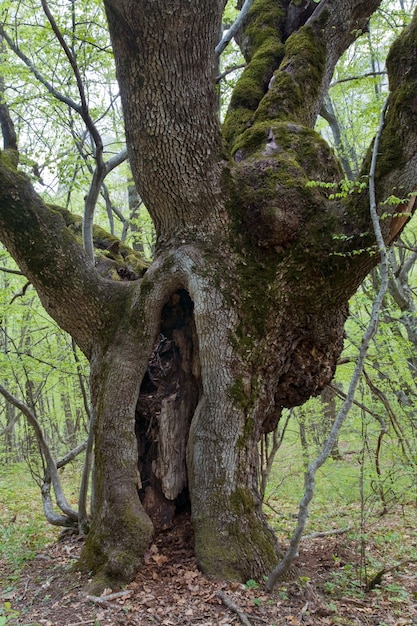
x,y
168,397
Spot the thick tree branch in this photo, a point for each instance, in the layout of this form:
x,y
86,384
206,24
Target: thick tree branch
x,y
169,103
396,167
52,260
310,476
302,65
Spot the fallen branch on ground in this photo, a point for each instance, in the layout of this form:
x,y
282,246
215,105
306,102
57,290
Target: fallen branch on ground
x,y
233,607
377,579
326,533
110,597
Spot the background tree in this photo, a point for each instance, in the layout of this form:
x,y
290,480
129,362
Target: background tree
x,y
242,311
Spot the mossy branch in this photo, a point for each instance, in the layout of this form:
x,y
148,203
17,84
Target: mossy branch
x,y
310,476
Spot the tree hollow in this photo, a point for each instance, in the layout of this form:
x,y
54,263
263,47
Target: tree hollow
x,y
169,394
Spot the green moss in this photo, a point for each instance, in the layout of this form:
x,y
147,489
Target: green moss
x,y
391,155
401,60
245,549
247,93
265,52
402,111
266,20
236,122
9,158
242,502
239,395
114,259
291,93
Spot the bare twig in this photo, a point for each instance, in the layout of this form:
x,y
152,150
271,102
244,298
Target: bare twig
x,y
229,34
21,293
233,607
71,455
229,71
326,533
359,77
360,405
268,456
110,597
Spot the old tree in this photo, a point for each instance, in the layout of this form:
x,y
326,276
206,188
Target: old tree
x,y
246,298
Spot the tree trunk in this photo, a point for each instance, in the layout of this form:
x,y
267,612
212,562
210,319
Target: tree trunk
x,y
242,310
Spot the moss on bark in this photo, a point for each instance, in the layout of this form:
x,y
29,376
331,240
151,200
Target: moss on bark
x,y
245,548
264,49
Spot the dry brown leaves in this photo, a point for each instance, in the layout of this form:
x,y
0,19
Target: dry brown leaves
x,y
171,591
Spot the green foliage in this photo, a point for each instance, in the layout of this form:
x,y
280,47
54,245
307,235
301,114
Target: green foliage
x,y
56,148
40,365
7,614
360,83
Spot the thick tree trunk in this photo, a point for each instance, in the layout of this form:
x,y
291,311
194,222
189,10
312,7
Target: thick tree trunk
x,y
242,310
199,388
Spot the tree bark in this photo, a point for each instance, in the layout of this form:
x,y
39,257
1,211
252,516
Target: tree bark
x,y
253,270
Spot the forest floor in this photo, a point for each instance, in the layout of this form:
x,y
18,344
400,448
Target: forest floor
x,y
170,590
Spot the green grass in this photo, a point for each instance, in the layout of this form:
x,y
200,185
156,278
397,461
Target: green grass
x,y
23,528
384,540
347,496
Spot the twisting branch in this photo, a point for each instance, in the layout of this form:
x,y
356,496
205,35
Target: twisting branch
x,y
71,455
100,170
310,475
84,112
100,173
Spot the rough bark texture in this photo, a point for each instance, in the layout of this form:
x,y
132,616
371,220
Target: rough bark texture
x,y
242,311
